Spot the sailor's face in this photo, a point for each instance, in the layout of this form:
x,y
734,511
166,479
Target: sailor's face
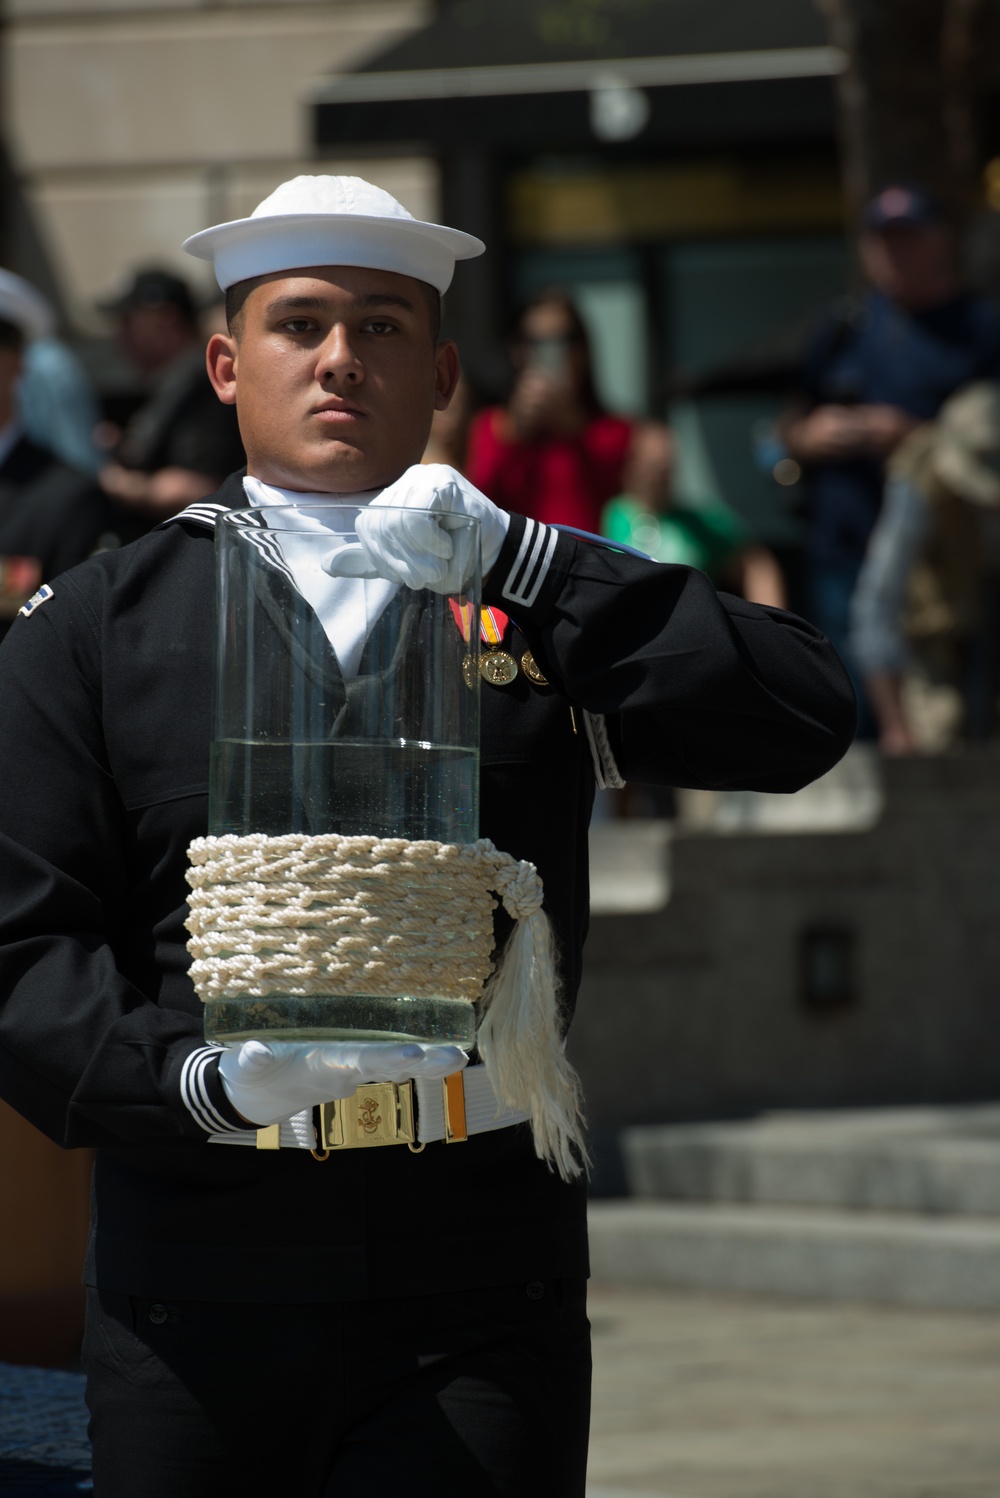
x,y
335,375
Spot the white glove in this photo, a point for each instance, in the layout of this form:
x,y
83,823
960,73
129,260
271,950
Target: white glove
x,y
270,1082
423,548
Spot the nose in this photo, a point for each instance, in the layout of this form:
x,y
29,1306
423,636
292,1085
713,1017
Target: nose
x,y
338,363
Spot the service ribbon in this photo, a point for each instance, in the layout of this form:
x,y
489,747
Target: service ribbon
x,y
492,622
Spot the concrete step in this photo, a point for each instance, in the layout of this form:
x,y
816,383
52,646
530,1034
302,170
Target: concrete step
x,y
848,798
603,1492
887,1258
922,1160
629,865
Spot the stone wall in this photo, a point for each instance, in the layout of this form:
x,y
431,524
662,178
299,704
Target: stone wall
x,y
808,970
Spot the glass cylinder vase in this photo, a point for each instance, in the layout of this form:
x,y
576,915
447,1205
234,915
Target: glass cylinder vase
x,y
345,704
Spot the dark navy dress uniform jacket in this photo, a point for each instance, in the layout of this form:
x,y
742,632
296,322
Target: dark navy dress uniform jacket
x,y
105,691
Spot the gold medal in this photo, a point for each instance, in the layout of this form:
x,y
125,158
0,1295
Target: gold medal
x,y
498,668
468,672
532,670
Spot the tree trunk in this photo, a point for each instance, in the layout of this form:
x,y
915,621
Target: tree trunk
x,y
969,41
907,96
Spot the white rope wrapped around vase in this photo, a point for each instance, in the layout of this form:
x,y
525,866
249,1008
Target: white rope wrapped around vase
x,y
327,914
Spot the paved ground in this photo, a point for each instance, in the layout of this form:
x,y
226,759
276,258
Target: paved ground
x,y
704,1397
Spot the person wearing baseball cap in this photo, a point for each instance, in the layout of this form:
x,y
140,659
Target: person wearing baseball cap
x,y
902,205
875,368
180,443
260,1320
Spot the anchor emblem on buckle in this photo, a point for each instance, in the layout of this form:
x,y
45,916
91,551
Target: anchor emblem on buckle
x,y
378,1113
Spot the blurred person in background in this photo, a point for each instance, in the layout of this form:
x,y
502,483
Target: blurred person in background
x,y
874,371
710,537
552,453
56,401
449,438
51,516
59,405
181,443
928,595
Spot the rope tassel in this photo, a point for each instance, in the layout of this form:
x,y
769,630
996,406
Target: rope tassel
x,y
520,1042
328,914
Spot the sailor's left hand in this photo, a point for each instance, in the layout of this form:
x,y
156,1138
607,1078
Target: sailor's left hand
x,y
413,532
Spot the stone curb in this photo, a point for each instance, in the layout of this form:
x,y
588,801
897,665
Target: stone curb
x,y
813,1254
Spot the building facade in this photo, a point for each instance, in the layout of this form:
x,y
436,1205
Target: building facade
x,y
671,162
129,124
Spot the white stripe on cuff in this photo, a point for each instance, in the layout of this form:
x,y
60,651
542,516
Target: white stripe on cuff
x,y
195,1094
534,557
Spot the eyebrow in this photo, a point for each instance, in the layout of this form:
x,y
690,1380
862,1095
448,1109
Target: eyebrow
x,y
384,299
318,304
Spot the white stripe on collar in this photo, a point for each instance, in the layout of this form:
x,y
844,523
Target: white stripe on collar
x,y
200,512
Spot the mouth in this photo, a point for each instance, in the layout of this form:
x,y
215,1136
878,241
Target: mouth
x,y
333,411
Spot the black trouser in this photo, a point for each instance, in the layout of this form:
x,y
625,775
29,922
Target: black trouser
x,y
467,1395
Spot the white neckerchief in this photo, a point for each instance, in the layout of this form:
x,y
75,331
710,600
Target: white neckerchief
x,y
347,607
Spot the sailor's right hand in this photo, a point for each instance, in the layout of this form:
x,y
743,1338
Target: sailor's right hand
x,y
270,1082
415,532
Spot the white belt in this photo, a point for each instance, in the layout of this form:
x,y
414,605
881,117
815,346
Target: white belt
x,y
414,1113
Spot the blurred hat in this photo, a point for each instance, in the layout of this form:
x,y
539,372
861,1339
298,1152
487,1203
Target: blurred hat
x,y
332,221
23,305
966,452
152,288
902,204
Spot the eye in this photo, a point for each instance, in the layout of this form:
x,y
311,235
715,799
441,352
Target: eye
x,y
298,325
379,327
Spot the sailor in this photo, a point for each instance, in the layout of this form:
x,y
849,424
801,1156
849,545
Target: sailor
x,y
261,1321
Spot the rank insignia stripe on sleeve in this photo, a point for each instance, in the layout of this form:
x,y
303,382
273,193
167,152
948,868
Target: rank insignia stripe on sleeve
x,y
36,600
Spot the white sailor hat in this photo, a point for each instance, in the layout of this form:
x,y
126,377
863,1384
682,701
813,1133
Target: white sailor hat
x,y
332,221
23,305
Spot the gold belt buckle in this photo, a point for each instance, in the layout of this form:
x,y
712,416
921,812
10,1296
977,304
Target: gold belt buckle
x,y
379,1113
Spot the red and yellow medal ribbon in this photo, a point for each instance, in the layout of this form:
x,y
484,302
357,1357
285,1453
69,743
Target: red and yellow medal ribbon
x,y
492,625
492,622
462,614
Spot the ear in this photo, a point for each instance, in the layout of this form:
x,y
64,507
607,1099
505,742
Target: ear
x,y
220,361
448,372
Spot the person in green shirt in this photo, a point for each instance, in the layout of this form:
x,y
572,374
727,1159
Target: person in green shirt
x,y
710,537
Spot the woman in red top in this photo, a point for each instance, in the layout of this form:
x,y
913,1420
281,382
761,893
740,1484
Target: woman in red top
x,y
552,452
